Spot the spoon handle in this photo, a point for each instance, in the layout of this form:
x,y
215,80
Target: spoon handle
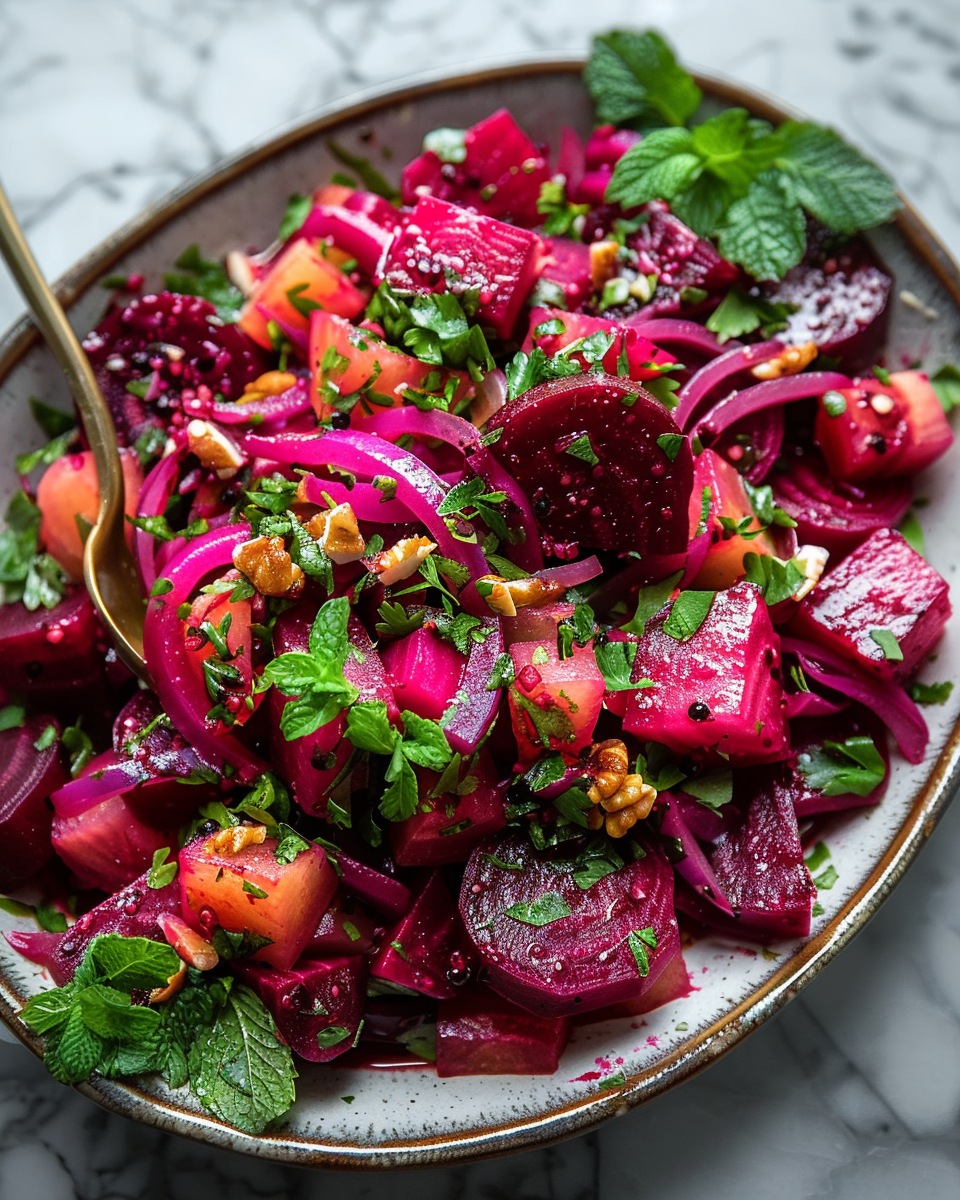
x,y
115,590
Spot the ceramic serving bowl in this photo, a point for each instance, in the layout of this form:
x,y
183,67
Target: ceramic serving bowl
x,y
388,1119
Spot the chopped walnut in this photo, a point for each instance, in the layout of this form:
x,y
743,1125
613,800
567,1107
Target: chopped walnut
x,y
604,257
231,841
402,559
624,798
271,383
507,595
269,567
193,949
337,531
216,451
790,361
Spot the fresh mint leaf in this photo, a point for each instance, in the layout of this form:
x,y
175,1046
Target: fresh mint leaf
x,y
777,579
854,766
127,963
764,231
424,742
659,167
57,448
634,78
240,1070
399,801
615,660
289,845
833,181
651,600
162,872
546,909
687,614
369,728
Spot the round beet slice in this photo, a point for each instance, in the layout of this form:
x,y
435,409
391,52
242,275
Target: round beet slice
x,y
556,948
585,450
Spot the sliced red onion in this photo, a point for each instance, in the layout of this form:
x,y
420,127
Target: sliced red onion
x,y
694,867
675,331
571,159
811,704
739,405
891,703
165,652
476,707
367,502
269,410
351,231
386,895
710,376
105,777
152,502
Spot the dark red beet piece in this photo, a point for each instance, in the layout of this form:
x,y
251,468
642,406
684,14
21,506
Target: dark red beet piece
x,y
501,175
427,950
761,869
841,299
835,515
445,828
132,912
27,777
317,1005
346,927
632,498
883,585
173,336
577,962
567,265
441,240
483,1034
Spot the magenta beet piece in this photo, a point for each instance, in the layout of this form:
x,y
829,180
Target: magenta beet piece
x,y
132,912
836,515
689,860
482,1034
607,145
56,656
841,301
497,259
424,672
567,265
632,498
106,846
500,176
27,777
317,1005
378,209
428,950
761,869
387,895
346,927
812,733
883,601
555,948
445,828
719,692
143,340
310,766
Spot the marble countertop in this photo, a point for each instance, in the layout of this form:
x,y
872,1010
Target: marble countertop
x,y
854,1090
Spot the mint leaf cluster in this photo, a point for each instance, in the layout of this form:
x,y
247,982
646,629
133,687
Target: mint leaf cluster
x,y
732,177
422,743
435,328
315,679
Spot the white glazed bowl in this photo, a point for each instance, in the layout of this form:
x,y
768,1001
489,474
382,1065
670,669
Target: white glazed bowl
x,y
409,1118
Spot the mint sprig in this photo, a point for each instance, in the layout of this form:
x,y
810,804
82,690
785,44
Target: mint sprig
x,y
635,79
422,743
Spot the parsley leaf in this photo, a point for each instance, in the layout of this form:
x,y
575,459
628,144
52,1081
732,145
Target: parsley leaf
x,y
297,210
840,768
687,614
651,600
546,909
635,78
396,621
639,940
777,579
582,448
200,277
713,788
888,643
615,660
930,693
946,383
369,176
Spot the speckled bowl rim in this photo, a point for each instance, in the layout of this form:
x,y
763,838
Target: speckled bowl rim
x,y
702,1049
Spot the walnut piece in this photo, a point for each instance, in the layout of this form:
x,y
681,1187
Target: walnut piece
x,y
790,361
269,567
621,798
402,559
217,452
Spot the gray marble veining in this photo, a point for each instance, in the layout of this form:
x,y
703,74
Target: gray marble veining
x,y
854,1090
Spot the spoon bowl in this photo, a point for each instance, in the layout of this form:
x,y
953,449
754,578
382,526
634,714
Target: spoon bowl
x,y
108,567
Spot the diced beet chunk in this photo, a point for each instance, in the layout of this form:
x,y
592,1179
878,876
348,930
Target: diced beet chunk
x,y
446,827
427,951
633,497
554,703
483,1034
720,691
554,948
317,1005
883,588
876,430
445,247
346,927
761,869
840,300
27,777
424,672
500,176
106,846
132,912
566,265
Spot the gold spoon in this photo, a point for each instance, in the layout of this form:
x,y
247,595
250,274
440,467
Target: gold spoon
x,y
108,567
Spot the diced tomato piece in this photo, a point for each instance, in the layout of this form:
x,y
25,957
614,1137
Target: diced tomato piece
x,y
68,496
251,891
305,274
882,430
643,358
239,639
728,498
884,585
345,359
554,703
